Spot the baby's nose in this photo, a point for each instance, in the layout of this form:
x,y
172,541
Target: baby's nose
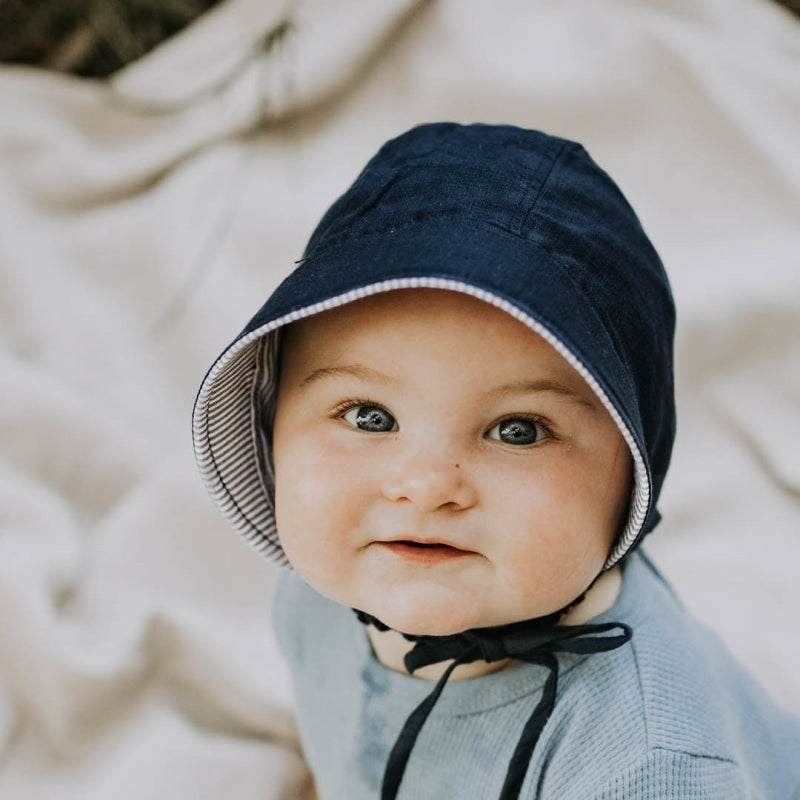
x,y
431,483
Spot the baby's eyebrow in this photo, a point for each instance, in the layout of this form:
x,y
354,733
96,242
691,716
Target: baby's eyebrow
x,y
351,370
547,385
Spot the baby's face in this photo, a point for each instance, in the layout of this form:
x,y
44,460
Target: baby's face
x,y
440,466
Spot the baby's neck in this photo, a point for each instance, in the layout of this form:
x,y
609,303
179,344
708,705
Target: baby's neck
x,y
390,647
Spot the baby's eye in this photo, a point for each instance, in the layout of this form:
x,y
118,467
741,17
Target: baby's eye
x,y
370,418
519,431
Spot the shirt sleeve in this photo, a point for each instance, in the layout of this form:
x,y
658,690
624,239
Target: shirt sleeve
x,y
665,775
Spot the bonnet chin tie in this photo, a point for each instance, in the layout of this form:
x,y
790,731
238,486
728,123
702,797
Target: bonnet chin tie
x,y
533,641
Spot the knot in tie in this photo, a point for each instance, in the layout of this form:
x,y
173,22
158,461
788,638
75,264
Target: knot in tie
x,y
491,650
533,641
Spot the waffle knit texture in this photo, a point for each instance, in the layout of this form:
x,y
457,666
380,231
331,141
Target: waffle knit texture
x,y
671,715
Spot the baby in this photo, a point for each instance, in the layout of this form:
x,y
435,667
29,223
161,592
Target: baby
x,y
454,419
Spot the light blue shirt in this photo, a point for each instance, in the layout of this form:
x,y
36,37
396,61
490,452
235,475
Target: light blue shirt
x,y
671,715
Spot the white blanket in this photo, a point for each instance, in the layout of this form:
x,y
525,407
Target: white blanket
x,y
143,221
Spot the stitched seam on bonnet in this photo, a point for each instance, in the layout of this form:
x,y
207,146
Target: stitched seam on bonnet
x,y
557,158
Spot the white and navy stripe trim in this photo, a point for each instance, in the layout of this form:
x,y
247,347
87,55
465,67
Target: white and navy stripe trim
x,y
238,397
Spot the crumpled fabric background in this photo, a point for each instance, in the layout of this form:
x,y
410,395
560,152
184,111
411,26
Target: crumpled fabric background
x,y
144,221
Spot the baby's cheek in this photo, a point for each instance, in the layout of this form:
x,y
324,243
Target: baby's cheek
x,y
314,521
305,479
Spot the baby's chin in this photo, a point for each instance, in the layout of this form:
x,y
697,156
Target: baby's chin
x,y
430,627
426,621
424,609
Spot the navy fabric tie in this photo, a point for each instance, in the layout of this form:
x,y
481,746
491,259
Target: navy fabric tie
x,y
533,641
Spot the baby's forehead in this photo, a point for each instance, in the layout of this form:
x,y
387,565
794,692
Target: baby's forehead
x,y
429,308
417,314
440,329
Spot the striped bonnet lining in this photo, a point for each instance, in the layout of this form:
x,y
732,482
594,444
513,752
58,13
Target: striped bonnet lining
x,y
238,394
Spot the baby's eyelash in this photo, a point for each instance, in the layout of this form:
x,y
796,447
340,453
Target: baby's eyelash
x,y
342,408
543,421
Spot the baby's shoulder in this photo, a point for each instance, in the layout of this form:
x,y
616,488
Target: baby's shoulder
x,y
300,615
671,714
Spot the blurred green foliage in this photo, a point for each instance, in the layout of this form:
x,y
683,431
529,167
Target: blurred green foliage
x,y
92,38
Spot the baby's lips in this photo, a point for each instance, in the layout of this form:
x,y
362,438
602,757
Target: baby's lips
x,y
425,542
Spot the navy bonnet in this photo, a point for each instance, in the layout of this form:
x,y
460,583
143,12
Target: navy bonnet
x,y
520,219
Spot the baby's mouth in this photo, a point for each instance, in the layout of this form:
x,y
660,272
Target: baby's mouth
x,y
428,552
411,543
